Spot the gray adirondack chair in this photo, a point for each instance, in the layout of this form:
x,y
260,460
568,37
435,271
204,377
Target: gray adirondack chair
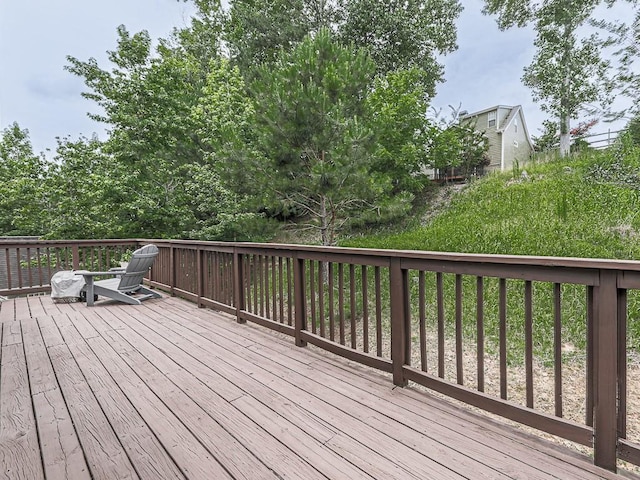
x,y
127,286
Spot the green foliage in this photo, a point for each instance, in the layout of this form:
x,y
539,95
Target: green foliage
x,y
457,145
86,192
403,34
294,125
22,200
176,115
317,151
568,72
395,110
625,35
224,115
632,131
583,207
258,30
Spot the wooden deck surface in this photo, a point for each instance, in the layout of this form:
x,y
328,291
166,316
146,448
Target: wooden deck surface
x,y
167,390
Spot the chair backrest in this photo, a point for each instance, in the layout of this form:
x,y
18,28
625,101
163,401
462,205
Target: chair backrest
x,y
139,265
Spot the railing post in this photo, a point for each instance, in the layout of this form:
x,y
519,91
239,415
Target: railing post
x,y
75,257
199,278
400,328
622,363
238,285
172,270
300,315
605,369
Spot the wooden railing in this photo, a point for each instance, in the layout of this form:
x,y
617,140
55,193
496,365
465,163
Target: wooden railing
x,y
26,266
539,340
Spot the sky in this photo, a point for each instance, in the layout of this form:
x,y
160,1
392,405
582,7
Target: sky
x,y
37,35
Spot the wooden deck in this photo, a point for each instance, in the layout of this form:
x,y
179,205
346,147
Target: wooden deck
x,y
167,390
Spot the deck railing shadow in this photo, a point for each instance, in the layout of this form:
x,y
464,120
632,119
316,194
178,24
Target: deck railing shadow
x,y
483,329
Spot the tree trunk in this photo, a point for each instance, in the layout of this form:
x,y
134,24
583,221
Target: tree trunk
x,y
565,136
565,99
324,222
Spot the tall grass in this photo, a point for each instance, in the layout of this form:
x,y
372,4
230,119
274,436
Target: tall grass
x,y
562,208
586,206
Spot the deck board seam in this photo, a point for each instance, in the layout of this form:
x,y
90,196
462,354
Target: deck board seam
x,y
343,411
136,332
534,466
76,420
267,386
197,435
86,345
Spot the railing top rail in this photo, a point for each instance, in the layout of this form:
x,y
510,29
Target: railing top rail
x,y
312,250
513,260
18,243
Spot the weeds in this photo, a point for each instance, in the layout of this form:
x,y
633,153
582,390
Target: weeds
x,y
585,206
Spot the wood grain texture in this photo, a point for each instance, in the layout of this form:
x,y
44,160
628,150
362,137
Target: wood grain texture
x,y
19,450
7,311
104,453
169,390
61,452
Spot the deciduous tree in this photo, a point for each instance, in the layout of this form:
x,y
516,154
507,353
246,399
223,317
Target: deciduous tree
x,y
22,196
402,34
568,72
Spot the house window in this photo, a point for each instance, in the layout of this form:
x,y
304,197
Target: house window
x,y
492,119
515,124
515,143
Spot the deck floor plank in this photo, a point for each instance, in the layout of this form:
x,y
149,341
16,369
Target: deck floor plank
x,y
297,428
364,455
36,307
22,310
7,311
500,447
528,458
233,455
104,453
405,447
188,453
273,455
259,396
415,441
169,390
193,459
62,455
12,333
19,449
145,452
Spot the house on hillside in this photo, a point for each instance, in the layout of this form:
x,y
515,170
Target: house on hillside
x,y
506,129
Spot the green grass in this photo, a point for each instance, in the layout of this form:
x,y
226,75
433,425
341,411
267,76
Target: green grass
x,y
560,209
586,206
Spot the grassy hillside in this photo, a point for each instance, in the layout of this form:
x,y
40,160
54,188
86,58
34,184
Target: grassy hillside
x,y
586,206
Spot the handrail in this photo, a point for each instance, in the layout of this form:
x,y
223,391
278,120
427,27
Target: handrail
x,y
423,317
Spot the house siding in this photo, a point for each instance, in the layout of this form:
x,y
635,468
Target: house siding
x,y
522,152
503,113
481,124
511,152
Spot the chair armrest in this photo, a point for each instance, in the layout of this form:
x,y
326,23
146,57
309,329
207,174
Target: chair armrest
x,y
86,274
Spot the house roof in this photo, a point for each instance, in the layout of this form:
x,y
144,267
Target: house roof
x,y
490,109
